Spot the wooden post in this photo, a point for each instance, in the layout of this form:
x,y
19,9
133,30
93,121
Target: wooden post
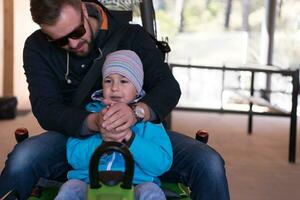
x,y
8,64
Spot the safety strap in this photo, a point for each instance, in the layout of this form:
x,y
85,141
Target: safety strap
x,y
93,74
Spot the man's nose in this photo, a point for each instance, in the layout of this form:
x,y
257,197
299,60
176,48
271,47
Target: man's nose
x,y
73,43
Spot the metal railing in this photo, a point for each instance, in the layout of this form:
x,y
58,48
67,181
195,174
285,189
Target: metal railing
x,y
292,114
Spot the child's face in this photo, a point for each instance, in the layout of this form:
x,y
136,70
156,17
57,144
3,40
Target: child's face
x,y
118,88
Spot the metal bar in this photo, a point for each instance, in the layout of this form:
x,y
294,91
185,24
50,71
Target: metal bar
x,y
223,86
250,115
293,126
146,8
292,114
284,72
217,110
247,89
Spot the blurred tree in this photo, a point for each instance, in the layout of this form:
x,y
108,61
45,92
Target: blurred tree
x,y
207,2
246,12
179,17
227,13
279,6
159,4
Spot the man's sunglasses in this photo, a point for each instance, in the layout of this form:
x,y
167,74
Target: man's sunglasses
x,y
75,34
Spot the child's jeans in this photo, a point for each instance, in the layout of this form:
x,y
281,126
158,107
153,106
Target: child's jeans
x,y
77,190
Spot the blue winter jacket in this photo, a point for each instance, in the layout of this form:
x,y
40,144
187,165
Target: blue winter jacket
x,y
151,150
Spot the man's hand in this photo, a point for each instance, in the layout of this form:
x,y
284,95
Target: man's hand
x,y
94,123
118,116
95,120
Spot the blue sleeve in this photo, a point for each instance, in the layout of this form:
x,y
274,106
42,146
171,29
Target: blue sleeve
x,y
151,148
94,106
80,150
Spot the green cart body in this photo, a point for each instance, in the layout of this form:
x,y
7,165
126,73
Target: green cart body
x,y
112,185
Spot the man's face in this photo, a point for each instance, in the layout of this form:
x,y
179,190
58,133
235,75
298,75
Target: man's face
x,y
71,31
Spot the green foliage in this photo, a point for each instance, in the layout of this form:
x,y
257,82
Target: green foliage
x,y
199,17
165,24
214,9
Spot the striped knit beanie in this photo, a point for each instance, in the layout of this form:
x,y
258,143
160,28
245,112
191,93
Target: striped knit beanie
x,y
126,63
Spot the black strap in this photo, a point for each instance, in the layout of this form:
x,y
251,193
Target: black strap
x,y
163,46
93,74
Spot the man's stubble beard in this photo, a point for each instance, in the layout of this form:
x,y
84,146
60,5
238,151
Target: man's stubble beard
x,y
90,47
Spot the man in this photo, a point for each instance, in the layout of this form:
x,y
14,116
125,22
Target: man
x,y
56,59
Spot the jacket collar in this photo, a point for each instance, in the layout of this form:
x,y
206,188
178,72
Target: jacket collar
x,y
98,96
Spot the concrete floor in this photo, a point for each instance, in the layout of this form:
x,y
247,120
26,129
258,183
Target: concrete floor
x,y
257,165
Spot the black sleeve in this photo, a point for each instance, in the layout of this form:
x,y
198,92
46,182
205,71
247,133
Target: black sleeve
x,y
162,89
48,104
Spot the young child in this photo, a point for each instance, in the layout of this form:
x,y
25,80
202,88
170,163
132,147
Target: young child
x,y
149,144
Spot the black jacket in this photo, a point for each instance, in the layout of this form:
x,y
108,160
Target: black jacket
x,y
51,96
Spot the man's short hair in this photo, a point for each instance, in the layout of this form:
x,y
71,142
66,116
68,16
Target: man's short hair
x,y
48,11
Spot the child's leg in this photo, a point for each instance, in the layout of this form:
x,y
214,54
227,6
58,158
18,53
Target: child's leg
x,y
148,191
72,190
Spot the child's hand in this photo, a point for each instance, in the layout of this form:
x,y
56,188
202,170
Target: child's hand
x,y
116,136
108,102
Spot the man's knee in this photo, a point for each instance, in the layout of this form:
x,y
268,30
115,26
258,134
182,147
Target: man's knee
x,y
215,163
211,163
21,158
32,151
205,159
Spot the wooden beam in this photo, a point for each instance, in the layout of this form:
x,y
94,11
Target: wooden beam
x,y
8,64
